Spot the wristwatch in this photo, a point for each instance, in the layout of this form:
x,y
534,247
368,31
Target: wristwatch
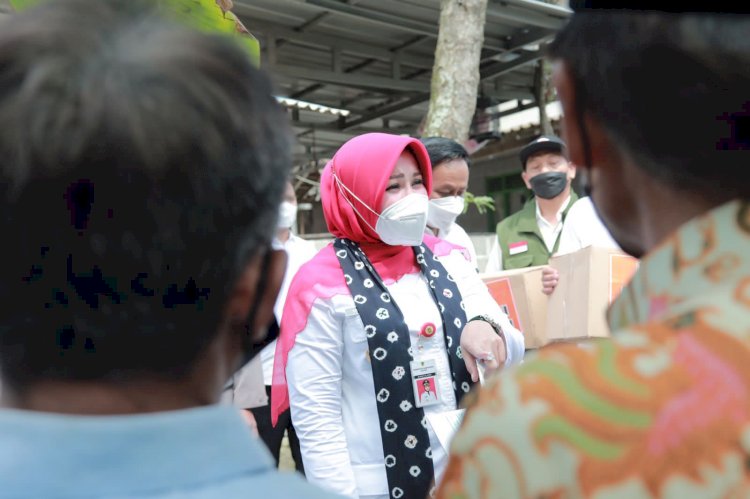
x,y
490,321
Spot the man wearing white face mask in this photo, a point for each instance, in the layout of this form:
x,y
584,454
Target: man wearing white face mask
x,y
249,383
450,177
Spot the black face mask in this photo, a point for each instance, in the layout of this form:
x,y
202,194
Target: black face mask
x,y
250,347
253,348
549,185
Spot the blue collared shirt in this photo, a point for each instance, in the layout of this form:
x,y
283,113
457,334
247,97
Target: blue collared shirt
x,y
205,452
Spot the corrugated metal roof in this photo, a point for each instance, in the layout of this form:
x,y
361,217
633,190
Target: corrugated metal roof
x,y
374,58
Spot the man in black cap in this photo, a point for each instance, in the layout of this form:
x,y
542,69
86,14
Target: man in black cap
x,y
657,116
530,236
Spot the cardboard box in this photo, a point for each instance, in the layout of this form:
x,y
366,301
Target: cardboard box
x,y
590,279
519,294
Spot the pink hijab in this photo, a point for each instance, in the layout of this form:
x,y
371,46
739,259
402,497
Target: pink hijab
x,y
364,165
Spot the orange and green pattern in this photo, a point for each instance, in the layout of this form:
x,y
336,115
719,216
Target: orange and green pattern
x,y
660,410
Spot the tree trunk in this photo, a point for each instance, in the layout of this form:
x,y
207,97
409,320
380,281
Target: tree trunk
x,y
543,95
455,74
544,92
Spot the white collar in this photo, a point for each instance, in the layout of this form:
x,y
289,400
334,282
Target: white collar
x,y
541,220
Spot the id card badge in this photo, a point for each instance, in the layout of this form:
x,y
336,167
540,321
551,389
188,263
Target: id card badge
x,y
424,382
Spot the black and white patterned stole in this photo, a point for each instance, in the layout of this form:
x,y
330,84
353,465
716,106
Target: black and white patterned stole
x,y
403,426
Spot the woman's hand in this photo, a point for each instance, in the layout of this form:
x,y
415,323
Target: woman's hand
x,y
480,342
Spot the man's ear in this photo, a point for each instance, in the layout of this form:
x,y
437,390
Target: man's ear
x,y
245,292
571,171
525,178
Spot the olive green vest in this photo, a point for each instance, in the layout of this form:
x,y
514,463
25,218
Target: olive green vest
x,y
522,228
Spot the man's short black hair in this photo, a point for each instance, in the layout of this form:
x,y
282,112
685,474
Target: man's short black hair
x,y
142,165
670,90
441,150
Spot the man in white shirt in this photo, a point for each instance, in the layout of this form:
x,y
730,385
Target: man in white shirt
x,y
582,228
248,388
450,178
529,237
142,165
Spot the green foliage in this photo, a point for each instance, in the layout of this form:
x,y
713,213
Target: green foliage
x,y
208,16
205,15
23,4
482,203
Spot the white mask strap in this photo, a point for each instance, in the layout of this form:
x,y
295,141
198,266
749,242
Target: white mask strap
x,y
341,186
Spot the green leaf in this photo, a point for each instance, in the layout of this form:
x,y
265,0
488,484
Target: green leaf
x,y
208,16
482,203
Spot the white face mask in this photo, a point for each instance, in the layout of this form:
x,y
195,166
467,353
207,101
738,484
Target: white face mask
x,y
287,215
443,212
403,222
400,224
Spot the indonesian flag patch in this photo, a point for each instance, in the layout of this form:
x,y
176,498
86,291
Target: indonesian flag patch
x,y
519,247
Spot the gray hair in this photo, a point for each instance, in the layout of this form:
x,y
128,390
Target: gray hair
x,y
142,164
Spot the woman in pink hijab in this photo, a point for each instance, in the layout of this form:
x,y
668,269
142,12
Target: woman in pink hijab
x,y
373,316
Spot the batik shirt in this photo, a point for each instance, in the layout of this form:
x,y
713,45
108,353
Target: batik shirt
x,y
660,410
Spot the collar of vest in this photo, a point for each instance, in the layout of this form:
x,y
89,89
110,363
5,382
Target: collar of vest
x,y
527,221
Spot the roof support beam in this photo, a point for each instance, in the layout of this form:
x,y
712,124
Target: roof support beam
x,y
524,17
535,6
496,69
386,110
326,42
308,24
393,21
317,86
366,82
396,63
529,36
489,72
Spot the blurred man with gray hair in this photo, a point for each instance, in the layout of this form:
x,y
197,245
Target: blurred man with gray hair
x,y
142,169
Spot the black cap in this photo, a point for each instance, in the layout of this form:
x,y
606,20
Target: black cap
x,y
715,6
551,143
